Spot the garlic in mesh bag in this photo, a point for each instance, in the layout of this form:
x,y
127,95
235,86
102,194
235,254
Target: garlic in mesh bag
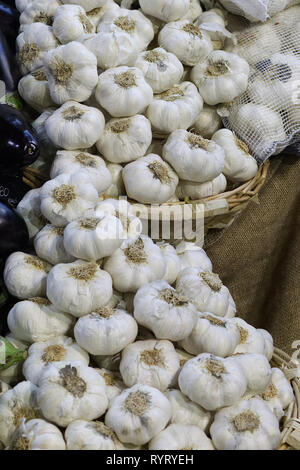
x,y
267,115
257,10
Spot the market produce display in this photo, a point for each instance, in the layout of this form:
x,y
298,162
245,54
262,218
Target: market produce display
x,y
115,341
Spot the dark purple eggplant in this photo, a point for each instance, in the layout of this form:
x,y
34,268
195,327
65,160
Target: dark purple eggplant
x,y
9,71
19,144
13,230
12,189
9,17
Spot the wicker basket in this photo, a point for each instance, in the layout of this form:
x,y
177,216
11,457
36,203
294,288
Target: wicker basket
x,y
290,436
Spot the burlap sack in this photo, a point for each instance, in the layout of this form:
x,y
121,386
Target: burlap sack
x,y
258,256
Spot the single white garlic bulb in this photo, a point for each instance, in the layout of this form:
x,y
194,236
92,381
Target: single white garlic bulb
x,y
190,44
221,77
150,180
91,435
151,362
38,11
30,209
123,91
34,89
79,288
181,436
70,23
190,254
194,191
49,245
279,394
185,411
25,275
72,72
35,320
208,122
194,158
105,331
37,434
161,69
166,10
125,140
75,126
173,263
67,197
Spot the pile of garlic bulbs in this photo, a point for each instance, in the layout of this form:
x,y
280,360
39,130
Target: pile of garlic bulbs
x,y
140,88
130,344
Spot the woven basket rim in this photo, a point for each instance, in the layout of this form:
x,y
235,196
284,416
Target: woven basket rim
x,y
290,435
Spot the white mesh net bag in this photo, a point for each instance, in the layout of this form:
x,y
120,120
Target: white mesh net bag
x,y
267,115
257,10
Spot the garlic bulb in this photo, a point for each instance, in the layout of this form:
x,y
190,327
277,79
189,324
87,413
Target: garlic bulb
x,y
17,404
279,394
248,425
37,434
206,291
91,435
257,370
37,320
161,69
79,288
70,23
208,122
150,362
173,264
125,140
251,340
117,187
94,237
30,209
113,383
75,126
269,344
120,208
194,158
194,11
32,45
158,307
138,262
123,91
181,436
194,191
190,44
97,13
94,166
67,197
191,254
39,11
138,414
22,4
49,245
34,89
184,411
270,121
80,387
150,180
239,164
176,108
57,349
221,77
72,72
212,382
106,331
166,10
131,22
88,5
25,275
213,335
48,149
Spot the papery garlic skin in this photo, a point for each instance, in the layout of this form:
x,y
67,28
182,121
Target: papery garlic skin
x,y
191,254
257,370
91,435
72,72
195,191
30,209
173,263
208,122
34,89
49,245
78,288
279,394
37,434
70,23
166,10
38,11
185,411
88,5
117,188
